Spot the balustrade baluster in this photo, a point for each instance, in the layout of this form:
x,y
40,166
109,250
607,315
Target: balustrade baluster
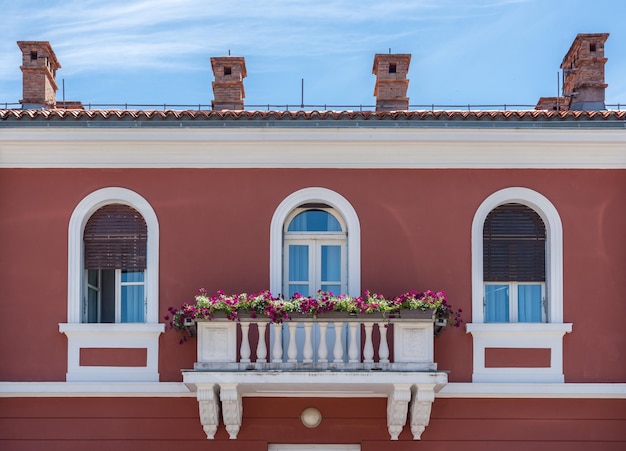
x,y
244,351
307,351
261,348
353,350
292,349
383,349
368,348
322,350
277,349
338,348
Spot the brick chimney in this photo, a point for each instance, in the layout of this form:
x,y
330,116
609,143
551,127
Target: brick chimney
x,y
391,82
583,72
39,67
229,72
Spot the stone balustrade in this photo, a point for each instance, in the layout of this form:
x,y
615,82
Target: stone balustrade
x,y
328,342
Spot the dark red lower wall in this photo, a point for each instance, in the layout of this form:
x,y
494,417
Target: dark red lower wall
x,y
137,424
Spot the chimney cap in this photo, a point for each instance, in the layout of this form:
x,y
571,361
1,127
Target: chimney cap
x,y
598,38
390,57
221,60
27,46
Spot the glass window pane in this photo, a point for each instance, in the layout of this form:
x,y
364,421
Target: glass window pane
x,y
496,303
529,303
314,221
301,288
132,276
132,304
298,263
331,263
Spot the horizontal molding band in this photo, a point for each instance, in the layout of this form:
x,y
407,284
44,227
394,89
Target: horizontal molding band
x,y
304,148
178,389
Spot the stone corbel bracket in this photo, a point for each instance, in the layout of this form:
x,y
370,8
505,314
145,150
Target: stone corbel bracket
x,y
232,408
422,399
207,396
397,408
415,399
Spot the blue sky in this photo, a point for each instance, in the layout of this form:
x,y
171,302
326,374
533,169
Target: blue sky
x,y
157,51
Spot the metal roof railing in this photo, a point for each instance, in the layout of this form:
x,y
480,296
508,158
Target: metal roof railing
x,y
309,107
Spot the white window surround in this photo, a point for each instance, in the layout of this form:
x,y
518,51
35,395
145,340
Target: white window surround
x,y
128,335
343,208
520,335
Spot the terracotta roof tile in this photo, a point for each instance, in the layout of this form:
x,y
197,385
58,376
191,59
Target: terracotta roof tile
x,y
69,115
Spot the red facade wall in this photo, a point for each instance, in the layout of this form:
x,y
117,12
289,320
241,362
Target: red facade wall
x,y
172,423
214,226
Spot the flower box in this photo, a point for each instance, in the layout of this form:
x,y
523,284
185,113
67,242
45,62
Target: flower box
x,y
415,314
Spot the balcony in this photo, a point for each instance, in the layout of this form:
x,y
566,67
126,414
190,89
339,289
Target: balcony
x,y
327,356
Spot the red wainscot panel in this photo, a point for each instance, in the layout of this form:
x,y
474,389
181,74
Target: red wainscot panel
x,y
517,358
127,357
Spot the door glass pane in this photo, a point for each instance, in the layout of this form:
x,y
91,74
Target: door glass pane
x,y
132,303
331,264
298,263
497,303
335,289
529,303
314,221
300,288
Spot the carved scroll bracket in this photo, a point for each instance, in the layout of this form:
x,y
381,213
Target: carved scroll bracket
x,y
207,396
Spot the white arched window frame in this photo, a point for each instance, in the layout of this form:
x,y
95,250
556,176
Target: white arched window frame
x,y
118,335
554,248
520,335
341,205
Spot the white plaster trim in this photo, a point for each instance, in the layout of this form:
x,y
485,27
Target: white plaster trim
x,y
308,147
78,220
518,335
549,391
554,247
451,390
349,215
94,390
124,336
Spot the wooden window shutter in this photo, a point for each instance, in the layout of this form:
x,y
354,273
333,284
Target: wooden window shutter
x,y
514,245
115,237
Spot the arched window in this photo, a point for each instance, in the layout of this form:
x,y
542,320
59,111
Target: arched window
x,y
315,244
516,221
514,264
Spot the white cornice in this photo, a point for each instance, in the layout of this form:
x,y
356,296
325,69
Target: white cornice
x,y
311,148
